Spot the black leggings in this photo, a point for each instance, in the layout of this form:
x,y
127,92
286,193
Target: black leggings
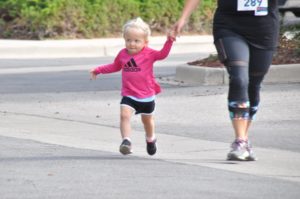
x,y
246,66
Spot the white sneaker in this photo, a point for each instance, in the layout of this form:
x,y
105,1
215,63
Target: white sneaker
x,y
238,151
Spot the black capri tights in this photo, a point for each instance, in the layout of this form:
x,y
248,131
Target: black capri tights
x,y
246,66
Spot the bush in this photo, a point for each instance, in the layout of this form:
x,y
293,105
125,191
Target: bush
x,y
39,19
201,20
160,14
106,17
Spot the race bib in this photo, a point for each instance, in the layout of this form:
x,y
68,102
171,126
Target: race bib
x,y
260,7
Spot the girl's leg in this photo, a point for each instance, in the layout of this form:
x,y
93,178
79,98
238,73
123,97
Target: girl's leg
x,y
148,122
125,126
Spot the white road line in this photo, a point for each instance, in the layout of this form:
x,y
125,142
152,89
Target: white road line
x,y
273,163
44,69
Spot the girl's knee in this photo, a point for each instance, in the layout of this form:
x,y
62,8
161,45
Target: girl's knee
x,y
147,119
125,114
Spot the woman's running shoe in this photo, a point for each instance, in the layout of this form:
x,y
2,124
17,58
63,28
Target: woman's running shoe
x,y
238,151
252,156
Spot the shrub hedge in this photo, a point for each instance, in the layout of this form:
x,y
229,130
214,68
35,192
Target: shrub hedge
x,y
40,19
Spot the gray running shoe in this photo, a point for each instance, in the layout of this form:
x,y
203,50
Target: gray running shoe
x,y
238,151
252,156
125,147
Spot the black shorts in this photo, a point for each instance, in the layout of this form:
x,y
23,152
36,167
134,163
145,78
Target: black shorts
x,y
139,107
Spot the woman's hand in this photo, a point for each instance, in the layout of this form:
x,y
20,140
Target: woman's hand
x,y
178,26
189,7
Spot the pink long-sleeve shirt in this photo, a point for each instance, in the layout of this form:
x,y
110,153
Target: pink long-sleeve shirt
x,y
137,70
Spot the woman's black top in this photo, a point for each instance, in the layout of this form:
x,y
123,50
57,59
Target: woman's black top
x,y
259,31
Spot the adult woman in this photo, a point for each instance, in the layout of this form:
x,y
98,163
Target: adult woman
x,y
245,35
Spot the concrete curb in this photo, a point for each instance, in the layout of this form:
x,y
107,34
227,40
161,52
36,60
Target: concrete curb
x,y
289,73
27,49
196,75
200,75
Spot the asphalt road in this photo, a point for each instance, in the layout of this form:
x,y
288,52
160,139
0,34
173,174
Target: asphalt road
x,y
70,74
31,169
59,138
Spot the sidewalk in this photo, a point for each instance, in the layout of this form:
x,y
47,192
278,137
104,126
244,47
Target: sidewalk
x,y
192,151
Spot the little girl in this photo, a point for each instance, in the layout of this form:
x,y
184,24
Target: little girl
x,y
139,86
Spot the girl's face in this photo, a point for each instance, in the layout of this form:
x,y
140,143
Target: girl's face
x,y
135,40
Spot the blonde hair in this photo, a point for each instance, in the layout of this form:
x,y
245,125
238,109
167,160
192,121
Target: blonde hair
x,y
139,24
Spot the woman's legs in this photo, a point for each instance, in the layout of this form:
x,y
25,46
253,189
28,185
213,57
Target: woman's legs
x,y
246,67
234,53
260,61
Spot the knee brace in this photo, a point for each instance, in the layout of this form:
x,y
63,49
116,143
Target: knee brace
x,y
238,82
254,93
239,110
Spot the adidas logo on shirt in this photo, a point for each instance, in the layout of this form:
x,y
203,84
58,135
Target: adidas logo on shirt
x,y
131,66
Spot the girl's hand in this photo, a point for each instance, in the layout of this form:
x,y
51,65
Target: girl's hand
x,y
171,35
93,76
